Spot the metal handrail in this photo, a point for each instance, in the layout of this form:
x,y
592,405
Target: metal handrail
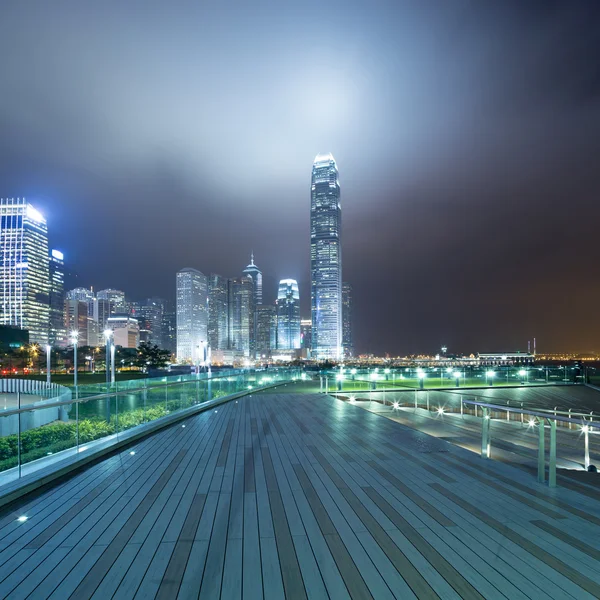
x,y
116,392
542,417
532,413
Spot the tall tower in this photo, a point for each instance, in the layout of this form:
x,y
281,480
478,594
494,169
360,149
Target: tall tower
x,y
326,259
253,271
192,315
347,310
288,315
57,333
24,269
218,312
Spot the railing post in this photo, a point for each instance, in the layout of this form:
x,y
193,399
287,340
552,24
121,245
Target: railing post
x,y
586,437
485,433
19,431
541,452
427,401
552,464
416,399
461,406
522,415
507,411
569,418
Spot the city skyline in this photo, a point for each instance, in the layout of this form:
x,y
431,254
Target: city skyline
x,y
466,134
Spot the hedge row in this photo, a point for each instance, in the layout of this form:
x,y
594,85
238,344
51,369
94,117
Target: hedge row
x,y
58,436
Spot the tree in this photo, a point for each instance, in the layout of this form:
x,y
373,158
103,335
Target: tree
x,y
151,356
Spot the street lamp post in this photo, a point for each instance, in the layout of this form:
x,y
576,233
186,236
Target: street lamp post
x,y
457,378
112,362
48,349
74,338
107,335
490,377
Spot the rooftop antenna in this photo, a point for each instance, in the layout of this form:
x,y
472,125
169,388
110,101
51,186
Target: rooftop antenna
x,y
534,346
251,257
528,346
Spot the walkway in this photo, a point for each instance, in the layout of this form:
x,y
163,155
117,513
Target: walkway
x,y
300,496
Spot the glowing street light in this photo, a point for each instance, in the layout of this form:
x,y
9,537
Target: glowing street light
x,y
421,375
457,378
108,333
523,374
48,350
490,377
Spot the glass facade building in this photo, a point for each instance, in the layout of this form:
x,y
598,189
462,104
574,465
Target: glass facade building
x,y
241,315
347,341
24,269
266,330
253,271
192,316
326,259
57,332
288,315
218,312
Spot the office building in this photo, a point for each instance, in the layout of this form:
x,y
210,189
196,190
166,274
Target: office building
x,y
116,300
266,330
253,271
218,312
288,315
326,259
241,316
57,332
81,294
192,315
76,320
347,309
305,333
126,330
24,269
169,327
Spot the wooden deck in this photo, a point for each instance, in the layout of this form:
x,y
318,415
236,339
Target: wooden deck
x,y
300,496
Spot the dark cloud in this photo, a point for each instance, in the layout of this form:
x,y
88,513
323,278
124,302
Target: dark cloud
x,y
158,135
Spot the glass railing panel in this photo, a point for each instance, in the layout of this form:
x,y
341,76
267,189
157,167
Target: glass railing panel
x,y
9,443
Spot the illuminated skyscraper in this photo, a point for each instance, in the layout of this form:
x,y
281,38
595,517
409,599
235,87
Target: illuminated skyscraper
x,y
288,315
241,315
57,333
253,271
266,330
116,299
24,269
192,315
347,309
218,312
326,259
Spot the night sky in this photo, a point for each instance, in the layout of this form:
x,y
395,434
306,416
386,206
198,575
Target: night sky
x,y
161,135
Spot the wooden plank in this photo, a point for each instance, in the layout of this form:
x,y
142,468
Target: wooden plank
x,y
554,563
251,571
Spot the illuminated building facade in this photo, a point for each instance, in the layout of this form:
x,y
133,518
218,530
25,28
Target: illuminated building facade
x,y
305,333
126,330
192,315
347,309
116,300
253,271
218,312
288,315
326,259
241,316
24,269
57,333
266,330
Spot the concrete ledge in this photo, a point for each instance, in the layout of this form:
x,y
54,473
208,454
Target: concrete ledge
x,y
32,482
